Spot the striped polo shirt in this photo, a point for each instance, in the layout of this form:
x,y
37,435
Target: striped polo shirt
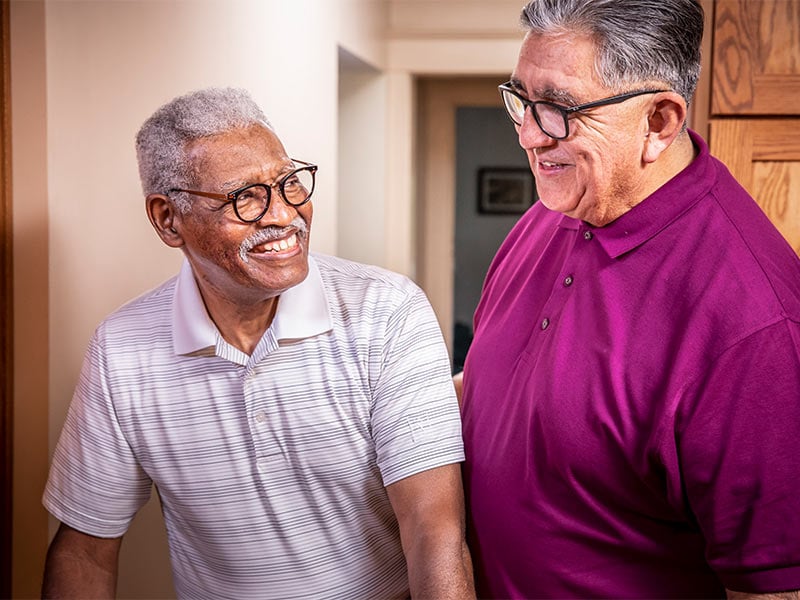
x,y
271,468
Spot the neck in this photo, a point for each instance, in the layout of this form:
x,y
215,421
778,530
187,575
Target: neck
x,y
675,159
241,325
672,161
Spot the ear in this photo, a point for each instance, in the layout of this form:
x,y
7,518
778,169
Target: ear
x,y
664,124
164,218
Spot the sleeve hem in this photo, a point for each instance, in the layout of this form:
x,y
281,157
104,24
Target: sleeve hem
x,y
81,522
395,475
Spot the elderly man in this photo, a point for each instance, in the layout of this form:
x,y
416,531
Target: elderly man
x,y
294,411
631,399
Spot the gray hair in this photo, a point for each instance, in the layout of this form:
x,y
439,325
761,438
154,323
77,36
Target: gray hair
x,y
161,143
637,41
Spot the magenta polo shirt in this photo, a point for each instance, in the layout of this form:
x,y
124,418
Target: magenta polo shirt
x,y
632,402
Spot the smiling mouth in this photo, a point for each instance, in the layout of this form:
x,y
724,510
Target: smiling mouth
x,y
275,242
546,164
276,246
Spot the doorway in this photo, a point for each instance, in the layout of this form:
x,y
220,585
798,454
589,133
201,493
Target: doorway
x,y
463,132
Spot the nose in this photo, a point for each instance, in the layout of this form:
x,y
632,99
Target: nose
x,y
530,134
279,212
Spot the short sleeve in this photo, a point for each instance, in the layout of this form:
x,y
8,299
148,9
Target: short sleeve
x,y
416,422
95,484
740,460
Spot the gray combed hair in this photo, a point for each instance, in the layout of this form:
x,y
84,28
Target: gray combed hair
x,y
637,41
161,143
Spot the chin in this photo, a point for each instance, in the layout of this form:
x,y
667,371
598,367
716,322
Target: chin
x,y
566,209
293,278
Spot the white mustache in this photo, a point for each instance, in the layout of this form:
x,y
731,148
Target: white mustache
x,y
270,233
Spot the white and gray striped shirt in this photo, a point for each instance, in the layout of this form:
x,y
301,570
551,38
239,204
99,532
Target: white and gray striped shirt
x,y
270,468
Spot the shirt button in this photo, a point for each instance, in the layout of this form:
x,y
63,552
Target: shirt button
x,y
568,280
587,235
545,324
262,464
261,416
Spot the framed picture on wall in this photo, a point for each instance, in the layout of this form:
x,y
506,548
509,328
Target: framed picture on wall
x,y
505,190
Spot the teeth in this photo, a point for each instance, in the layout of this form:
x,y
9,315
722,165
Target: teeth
x,y
280,245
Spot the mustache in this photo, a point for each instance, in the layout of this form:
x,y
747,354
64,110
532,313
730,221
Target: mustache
x,y
273,232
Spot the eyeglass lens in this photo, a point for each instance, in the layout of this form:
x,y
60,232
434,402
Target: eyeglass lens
x,y
549,118
252,202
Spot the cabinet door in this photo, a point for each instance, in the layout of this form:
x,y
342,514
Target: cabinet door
x,y
756,57
764,156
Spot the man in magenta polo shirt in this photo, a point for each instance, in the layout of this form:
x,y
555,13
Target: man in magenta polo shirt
x,y
631,400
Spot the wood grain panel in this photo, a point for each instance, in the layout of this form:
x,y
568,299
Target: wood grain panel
x,y
764,156
775,139
756,57
776,187
731,141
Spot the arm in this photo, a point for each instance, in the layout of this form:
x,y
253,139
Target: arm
x,y
458,382
430,511
80,565
736,446
793,595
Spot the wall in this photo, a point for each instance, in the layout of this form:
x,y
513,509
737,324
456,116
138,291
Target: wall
x,y
362,131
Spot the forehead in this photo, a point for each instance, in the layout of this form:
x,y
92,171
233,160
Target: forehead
x,y
562,63
237,155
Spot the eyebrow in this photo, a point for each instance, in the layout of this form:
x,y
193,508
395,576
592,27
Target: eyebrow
x,y
550,94
227,186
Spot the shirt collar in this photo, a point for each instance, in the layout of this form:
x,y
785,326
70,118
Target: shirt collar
x,y
302,312
658,210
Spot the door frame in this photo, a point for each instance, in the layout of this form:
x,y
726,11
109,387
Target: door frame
x,y
6,312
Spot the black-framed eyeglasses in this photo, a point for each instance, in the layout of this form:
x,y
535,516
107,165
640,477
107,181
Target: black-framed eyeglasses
x,y
553,119
251,202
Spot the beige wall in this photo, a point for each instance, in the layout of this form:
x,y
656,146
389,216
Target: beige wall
x,y
85,74
362,131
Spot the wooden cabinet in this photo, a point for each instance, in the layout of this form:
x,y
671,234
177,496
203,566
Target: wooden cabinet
x,y
754,125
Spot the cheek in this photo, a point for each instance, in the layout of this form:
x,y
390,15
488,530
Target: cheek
x,y
219,243
598,160
589,167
